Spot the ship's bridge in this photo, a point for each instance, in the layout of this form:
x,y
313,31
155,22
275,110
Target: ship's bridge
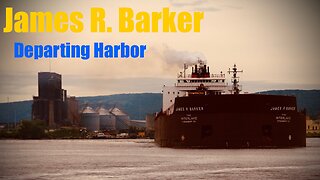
x,y
200,75
199,79
213,80
199,82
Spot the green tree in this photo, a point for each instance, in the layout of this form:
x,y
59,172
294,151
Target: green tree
x,y
34,129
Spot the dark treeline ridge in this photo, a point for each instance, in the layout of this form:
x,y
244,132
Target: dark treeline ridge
x,y
138,105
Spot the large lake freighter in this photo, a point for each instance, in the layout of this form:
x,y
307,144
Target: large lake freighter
x,y
203,111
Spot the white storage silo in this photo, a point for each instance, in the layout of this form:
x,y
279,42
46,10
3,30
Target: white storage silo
x,y
90,119
107,120
122,119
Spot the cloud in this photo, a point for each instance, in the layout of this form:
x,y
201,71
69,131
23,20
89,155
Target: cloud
x,y
204,5
143,76
180,3
92,86
210,8
196,5
234,7
173,57
20,86
16,83
24,86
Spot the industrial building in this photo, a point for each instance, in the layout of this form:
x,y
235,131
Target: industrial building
x,y
312,126
140,124
104,119
52,105
73,111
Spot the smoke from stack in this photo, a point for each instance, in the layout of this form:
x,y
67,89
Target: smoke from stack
x,y
174,59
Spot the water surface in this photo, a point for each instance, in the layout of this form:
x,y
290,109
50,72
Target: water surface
x,y
142,159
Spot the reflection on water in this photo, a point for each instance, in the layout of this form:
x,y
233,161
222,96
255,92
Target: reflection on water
x,y
142,159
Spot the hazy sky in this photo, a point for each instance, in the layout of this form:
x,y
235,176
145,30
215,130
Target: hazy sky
x,y
275,42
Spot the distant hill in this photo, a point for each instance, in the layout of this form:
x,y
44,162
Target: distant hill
x,y
9,112
308,99
138,105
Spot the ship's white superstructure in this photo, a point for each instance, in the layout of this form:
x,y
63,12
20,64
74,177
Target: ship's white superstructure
x,y
199,81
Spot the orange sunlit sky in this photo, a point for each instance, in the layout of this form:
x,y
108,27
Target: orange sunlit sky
x,y
275,42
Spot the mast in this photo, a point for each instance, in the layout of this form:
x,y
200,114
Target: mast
x,y
235,79
185,67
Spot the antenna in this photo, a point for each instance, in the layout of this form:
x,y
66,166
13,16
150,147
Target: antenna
x,y
185,67
235,79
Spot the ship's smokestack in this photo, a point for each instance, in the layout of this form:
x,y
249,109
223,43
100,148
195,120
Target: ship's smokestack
x,y
196,69
205,68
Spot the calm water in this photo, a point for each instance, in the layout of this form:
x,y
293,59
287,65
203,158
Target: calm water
x,y
141,159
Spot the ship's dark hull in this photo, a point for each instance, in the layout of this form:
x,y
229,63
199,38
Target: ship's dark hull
x,y
232,121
